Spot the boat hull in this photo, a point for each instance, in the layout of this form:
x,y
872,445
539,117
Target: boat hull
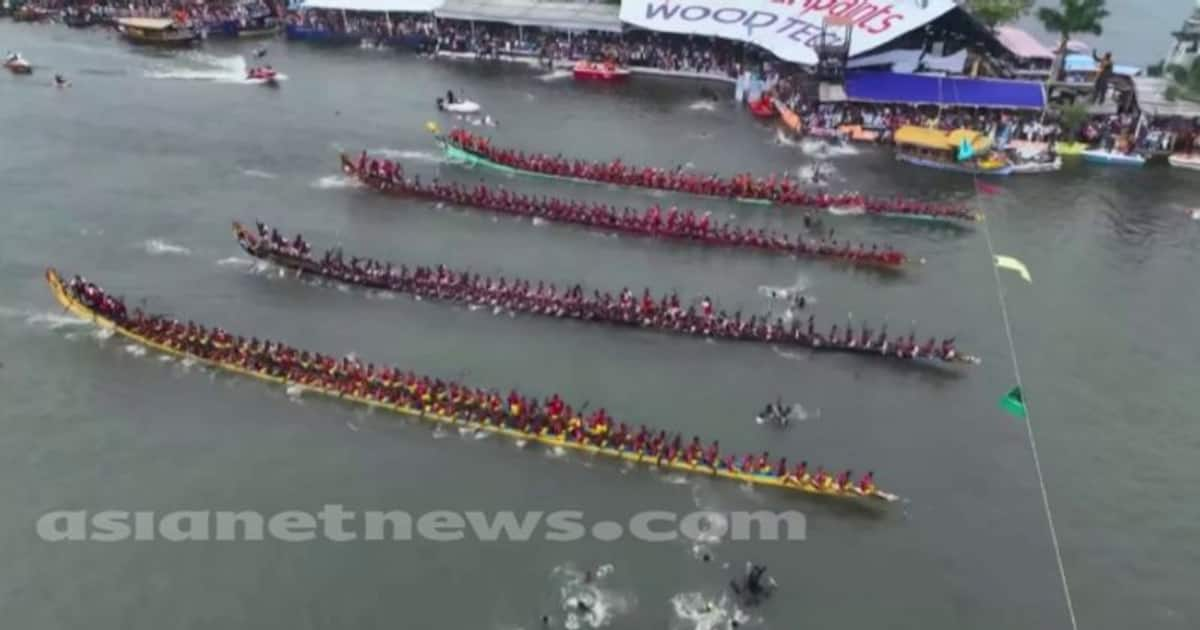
x,y
953,168
19,68
63,296
180,40
1115,159
591,74
1190,162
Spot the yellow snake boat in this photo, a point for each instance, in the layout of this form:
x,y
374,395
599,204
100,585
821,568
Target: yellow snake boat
x,y
69,302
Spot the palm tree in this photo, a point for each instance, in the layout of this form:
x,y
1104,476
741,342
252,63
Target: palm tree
x,y
1072,16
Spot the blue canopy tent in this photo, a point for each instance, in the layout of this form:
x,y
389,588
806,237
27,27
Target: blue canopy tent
x,y
918,89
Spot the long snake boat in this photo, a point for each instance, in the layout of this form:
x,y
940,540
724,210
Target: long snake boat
x,y
463,147
665,314
387,177
552,423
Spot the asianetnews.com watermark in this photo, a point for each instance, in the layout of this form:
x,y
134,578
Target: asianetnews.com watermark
x,y
334,523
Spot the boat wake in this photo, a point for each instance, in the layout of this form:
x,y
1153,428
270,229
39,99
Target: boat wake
x,y
815,146
704,106
42,319
555,75
135,350
409,154
586,603
211,68
250,172
845,212
824,170
786,296
694,612
333,182
159,247
234,261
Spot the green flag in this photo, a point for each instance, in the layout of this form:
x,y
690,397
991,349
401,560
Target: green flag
x,y
1014,402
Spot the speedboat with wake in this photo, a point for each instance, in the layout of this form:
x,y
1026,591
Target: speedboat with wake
x,y
264,74
17,64
520,417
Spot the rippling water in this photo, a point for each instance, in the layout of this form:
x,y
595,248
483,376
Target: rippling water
x,y
132,178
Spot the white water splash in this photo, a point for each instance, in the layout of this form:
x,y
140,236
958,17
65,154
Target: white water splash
x,y
586,603
845,212
824,171
102,334
539,221
211,68
408,154
1196,215
45,319
785,292
159,247
234,261
250,172
333,182
555,75
135,350
295,391
790,356
703,106
693,611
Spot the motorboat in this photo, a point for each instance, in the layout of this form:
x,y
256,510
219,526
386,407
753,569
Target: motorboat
x,y
600,71
17,64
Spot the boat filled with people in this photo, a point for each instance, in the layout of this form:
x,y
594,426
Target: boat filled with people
x,y
959,151
666,313
465,147
552,422
387,176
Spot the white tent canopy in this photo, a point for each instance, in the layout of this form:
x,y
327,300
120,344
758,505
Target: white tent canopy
x,y
568,16
396,6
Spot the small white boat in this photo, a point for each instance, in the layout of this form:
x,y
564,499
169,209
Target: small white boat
x,y
1100,156
1021,168
461,107
16,64
1185,160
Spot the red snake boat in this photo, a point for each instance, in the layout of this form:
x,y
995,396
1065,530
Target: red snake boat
x,y
665,314
553,422
463,147
387,176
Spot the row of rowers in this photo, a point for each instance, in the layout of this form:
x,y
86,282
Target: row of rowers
x,y
392,386
780,189
665,313
388,176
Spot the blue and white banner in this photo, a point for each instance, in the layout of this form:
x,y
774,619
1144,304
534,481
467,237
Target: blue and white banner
x,y
788,28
